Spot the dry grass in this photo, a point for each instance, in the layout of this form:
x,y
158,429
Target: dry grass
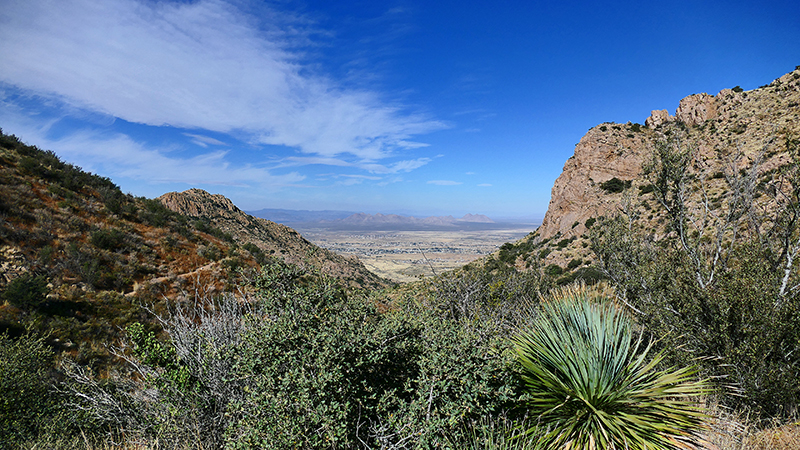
x,y
729,431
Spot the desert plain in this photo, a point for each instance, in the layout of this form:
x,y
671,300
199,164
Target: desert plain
x,y
409,254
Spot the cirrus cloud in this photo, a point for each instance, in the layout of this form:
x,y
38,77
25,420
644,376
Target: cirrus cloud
x,y
203,65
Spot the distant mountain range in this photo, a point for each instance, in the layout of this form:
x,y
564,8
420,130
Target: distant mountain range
x,y
395,219
286,216
330,218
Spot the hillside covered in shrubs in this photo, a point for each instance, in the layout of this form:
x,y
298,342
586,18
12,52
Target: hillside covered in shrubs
x,y
670,319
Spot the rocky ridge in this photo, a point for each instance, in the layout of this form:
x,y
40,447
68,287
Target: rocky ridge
x,y
274,239
731,129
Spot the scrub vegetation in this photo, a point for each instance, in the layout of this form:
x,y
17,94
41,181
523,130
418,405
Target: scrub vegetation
x,y
648,344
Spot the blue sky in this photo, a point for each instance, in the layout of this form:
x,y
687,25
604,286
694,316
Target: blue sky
x,y
424,108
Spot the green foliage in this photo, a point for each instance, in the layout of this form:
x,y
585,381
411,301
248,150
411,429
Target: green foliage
x,y
108,239
305,365
154,213
590,222
593,383
751,336
575,263
744,333
48,166
203,225
26,291
615,185
256,253
317,364
553,270
26,399
509,252
565,242
646,189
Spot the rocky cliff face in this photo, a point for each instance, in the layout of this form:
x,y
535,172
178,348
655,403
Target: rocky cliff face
x,y
274,239
732,128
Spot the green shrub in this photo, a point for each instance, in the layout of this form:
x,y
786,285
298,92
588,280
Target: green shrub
x,y
153,212
646,189
553,270
743,333
26,291
593,383
26,397
615,185
305,365
108,239
565,242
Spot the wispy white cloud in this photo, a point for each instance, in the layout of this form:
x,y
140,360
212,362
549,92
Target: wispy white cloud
x,y
373,167
349,180
444,182
203,141
118,155
205,65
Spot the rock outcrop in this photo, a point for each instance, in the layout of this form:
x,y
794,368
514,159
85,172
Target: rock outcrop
x,y
696,109
729,129
657,118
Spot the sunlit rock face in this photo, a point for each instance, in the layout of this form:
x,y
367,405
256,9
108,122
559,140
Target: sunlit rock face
x,y
729,129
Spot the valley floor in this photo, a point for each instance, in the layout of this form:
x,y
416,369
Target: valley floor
x,y
406,255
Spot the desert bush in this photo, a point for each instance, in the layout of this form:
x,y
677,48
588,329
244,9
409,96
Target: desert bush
x,y
26,398
593,382
324,365
154,213
553,270
26,291
574,263
615,185
745,332
108,239
303,364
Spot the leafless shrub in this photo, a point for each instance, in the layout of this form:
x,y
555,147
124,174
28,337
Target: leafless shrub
x,y
185,401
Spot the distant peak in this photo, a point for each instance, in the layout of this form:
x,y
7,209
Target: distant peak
x,y
477,218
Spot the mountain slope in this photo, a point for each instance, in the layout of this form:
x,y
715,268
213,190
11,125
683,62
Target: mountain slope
x,y
272,238
79,259
726,136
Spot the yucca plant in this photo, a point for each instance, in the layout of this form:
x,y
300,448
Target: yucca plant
x,y
593,382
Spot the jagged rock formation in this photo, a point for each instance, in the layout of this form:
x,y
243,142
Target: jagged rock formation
x,y
274,239
730,129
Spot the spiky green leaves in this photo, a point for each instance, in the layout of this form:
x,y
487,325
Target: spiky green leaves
x,y
593,383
